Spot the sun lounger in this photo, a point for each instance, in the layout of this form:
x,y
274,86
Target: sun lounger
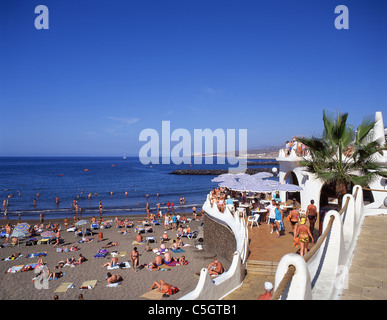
x,y
31,242
151,239
188,235
44,241
94,226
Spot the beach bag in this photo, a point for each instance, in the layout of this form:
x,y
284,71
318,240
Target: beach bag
x,y
281,226
173,290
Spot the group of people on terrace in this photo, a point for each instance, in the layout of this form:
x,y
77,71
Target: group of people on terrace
x,y
272,211
299,148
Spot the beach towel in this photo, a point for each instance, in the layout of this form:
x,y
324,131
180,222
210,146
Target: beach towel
x,y
64,287
90,284
173,263
15,269
35,255
154,294
120,254
178,250
102,253
10,258
113,285
138,243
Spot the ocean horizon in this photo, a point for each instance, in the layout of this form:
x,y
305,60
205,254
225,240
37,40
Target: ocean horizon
x,y
24,179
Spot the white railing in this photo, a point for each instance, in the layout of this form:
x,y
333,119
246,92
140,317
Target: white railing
x,y
221,286
323,273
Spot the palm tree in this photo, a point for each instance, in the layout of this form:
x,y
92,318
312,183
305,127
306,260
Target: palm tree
x,y
342,155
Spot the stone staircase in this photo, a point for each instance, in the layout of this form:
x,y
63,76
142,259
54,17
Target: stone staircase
x,y
261,267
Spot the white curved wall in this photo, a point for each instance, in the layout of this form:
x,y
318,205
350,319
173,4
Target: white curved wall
x,y
215,289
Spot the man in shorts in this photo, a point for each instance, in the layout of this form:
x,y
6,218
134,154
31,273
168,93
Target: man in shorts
x,y
311,213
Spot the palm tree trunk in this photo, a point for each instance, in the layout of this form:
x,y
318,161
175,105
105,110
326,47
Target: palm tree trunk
x,y
341,189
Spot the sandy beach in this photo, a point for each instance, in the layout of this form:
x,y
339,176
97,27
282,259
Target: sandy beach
x,y
20,286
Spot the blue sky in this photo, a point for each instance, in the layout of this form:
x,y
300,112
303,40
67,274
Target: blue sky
x,y
105,70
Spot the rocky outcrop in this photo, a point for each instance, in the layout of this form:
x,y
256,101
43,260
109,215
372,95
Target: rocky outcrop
x,y
215,172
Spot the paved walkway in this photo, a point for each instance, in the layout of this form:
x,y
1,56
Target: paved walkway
x,y
368,271
263,246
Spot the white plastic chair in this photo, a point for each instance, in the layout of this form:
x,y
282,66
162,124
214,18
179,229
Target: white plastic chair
x,y
253,219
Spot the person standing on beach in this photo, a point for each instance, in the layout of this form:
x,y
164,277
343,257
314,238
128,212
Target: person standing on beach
x,y
66,223
166,221
100,206
41,217
134,257
7,232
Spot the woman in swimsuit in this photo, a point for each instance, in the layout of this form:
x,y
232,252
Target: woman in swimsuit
x,y
134,257
294,217
305,236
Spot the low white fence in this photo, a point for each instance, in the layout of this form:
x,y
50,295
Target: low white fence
x,y
215,289
323,272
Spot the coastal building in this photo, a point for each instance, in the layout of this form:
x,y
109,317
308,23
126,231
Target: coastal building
x,y
291,172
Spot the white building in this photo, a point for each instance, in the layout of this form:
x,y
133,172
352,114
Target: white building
x,y
291,172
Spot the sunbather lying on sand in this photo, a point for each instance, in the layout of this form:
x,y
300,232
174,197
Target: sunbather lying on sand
x,y
167,257
112,263
152,266
111,244
113,278
164,287
55,274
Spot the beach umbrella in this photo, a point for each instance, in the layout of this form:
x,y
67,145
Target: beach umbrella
x,y
23,227
262,175
18,234
289,187
81,223
221,179
48,234
230,176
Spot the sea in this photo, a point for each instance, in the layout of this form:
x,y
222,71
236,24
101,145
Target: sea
x,y
25,179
